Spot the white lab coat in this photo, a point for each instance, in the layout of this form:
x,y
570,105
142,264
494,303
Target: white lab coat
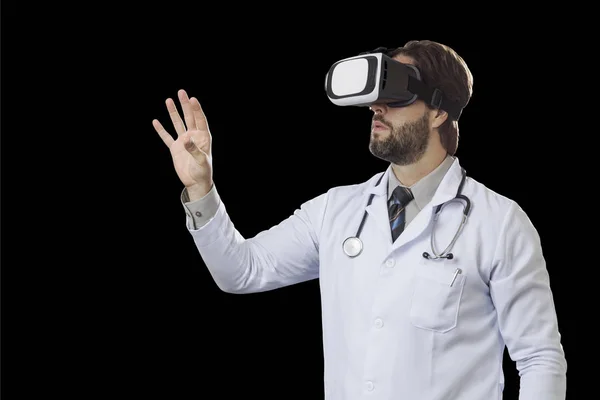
x,y
393,325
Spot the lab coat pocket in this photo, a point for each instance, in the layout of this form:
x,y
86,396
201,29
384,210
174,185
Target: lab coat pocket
x,y
438,289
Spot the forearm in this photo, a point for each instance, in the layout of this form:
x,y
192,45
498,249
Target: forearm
x,y
228,255
282,255
543,382
221,249
536,346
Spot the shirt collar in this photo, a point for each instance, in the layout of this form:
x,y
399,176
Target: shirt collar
x,y
424,189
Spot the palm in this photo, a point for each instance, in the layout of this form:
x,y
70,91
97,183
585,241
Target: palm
x,y
187,168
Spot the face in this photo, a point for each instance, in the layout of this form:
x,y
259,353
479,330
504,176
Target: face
x,y
400,135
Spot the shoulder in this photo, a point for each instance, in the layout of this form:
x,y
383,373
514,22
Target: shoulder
x,y
333,201
341,196
354,189
497,209
487,197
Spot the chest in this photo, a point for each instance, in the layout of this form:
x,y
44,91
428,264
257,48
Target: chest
x,y
391,272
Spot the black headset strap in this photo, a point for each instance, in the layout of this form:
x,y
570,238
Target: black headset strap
x,y
434,97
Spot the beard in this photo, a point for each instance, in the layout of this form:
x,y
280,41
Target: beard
x,y
405,144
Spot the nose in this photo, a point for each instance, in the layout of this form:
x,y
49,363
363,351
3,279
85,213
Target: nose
x,y
378,108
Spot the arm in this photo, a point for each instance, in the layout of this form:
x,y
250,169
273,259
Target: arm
x,y
520,290
283,255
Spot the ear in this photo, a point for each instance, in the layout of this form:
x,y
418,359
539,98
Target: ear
x,y
439,118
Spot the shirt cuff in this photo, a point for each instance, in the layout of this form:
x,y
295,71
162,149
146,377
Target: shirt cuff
x,y
200,212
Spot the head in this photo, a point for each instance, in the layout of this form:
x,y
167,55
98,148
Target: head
x,y
403,135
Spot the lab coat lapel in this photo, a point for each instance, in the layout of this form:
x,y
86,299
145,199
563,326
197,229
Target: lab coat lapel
x,y
378,210
445,192
448,186
416,227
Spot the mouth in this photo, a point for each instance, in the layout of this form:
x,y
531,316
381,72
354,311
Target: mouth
x,y
378,126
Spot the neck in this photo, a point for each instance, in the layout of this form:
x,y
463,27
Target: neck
x,y
410,174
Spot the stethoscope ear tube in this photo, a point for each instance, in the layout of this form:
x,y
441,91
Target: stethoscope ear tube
x,y
466,209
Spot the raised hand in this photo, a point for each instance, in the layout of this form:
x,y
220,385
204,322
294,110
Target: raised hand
x,y
192,149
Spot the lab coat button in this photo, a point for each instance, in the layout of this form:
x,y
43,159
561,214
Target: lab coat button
x,y
390,262
378,323
370,386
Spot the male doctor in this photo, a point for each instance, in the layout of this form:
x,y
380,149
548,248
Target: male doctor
x,y
402,319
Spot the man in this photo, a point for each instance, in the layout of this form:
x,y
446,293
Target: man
x,y
397,322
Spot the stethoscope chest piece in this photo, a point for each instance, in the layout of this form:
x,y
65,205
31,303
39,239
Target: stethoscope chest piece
x,y
352,246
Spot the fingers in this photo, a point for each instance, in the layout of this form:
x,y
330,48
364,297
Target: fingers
x,y
193,115
174,114
199,117
187,110
164,135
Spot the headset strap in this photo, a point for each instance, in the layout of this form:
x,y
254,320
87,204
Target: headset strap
x,y
434,97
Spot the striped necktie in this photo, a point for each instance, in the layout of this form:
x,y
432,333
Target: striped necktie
x,y
397,204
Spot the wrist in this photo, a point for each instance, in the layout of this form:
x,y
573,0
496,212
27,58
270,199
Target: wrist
x,y
198,191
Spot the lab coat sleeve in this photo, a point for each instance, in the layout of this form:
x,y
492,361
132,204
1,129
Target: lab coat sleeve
x,y
199,212
520,290
282,255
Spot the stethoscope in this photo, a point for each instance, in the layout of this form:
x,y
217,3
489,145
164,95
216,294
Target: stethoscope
x,y
353,245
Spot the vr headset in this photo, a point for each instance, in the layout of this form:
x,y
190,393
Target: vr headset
x,y
374,77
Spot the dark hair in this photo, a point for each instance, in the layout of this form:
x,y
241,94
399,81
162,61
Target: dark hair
x,y
441,67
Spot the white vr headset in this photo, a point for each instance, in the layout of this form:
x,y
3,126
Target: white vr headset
x,y
376,78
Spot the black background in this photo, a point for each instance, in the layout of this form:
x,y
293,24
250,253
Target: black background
x,y
112,297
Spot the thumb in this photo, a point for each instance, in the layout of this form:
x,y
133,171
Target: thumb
x,y
194,150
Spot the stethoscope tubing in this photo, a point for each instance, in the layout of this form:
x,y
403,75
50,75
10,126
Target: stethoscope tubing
x,y
353,245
